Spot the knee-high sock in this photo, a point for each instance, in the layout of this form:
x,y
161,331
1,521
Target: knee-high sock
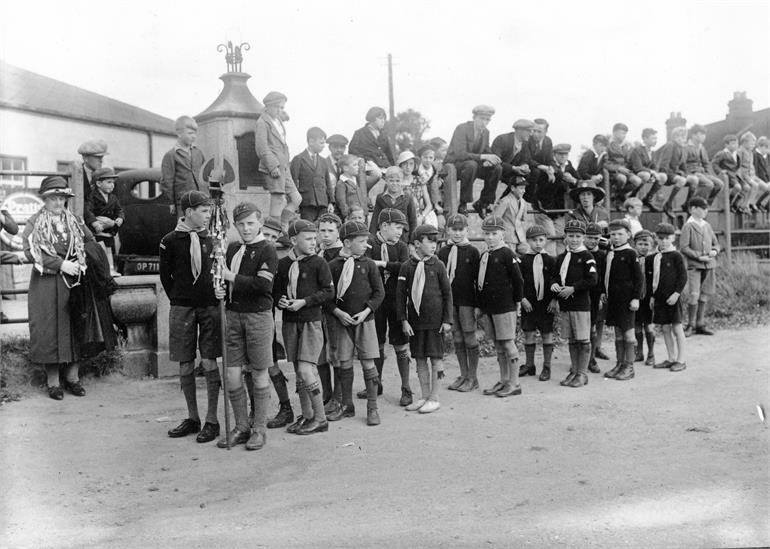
x,y
187,383
52,374
692,311
701,314
574,359
529,352
433,383
473,362
346,383
547,354
584,355
249,383
304,400
372,385
630,352
316,400
279,383
325,375
337,393
238,401
213,383
639,341
502,363
379,363
261,401
402,360
462,358
620,351
650,337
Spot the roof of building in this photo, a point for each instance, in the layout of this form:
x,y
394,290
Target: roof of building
x,y
28,91
758,122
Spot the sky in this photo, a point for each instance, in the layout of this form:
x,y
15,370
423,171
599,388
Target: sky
x,y
581,65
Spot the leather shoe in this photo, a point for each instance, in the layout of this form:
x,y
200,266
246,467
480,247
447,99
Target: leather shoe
x,y
284,417
703,330
257,440
296,425
612,373
236,437
567,380
456,383
650,360
56,393
508,390
187,427
313,426
545,375
689,331
341,412
481,209
625,373
406,397
493,390
639,357
525,370
331,407
74,387
664,364
209,432
678,366
578,380
593,367
469,385
429,406
601,355
462,209
362,394
372,416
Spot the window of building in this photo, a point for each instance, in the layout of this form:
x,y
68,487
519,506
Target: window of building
x,y
16,163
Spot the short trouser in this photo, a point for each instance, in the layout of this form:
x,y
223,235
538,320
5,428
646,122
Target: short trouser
x,y
427,344
283,184
387,324
669,314
537,319
191,329
250,340
700,283
464,318
361,339
576,325
500,327
303,341
620,316
329,350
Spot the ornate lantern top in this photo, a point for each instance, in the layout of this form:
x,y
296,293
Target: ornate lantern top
x,y
233,55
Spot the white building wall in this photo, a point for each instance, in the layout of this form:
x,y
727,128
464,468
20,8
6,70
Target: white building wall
x,y
46,140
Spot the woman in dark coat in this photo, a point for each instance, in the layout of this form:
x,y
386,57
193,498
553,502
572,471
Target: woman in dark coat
x,y
54,241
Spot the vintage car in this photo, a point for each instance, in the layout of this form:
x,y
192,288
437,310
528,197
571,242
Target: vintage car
x,y
148,219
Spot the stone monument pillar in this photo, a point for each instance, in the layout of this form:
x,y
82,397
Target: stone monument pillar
x,y
226,135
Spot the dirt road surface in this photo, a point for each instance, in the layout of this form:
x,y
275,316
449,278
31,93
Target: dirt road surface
x,y
664,460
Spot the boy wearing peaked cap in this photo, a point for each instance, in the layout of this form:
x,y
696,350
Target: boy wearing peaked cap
x,y
303,285
593,242
394,197
574,276
623,285
644,244
462,262
389,252
538,304
666,277
359,293
499,286
249,273
424,305
185,272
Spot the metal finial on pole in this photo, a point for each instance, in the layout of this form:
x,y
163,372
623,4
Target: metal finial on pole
x,y
234,55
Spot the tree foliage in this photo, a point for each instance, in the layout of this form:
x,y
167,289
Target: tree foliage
x,y
409,126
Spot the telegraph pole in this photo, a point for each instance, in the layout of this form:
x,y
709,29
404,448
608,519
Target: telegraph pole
x,y
392,108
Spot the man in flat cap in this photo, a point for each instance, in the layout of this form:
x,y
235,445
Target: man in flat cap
x,y
338,144
273,153
541,153
514,150
92,152
472,157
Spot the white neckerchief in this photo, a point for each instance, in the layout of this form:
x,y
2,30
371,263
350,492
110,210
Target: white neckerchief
x,y
565,264
452,259
610,256
698,222
537,274
346,277
384,255
483,265
418,282
235,262
291,288
196,260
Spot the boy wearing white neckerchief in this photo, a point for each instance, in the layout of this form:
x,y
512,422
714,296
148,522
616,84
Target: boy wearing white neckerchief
x,y
424,307
574,276
666,276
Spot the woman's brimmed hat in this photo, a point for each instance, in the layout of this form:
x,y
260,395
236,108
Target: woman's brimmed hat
x,y
404,156
598,192
55,185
